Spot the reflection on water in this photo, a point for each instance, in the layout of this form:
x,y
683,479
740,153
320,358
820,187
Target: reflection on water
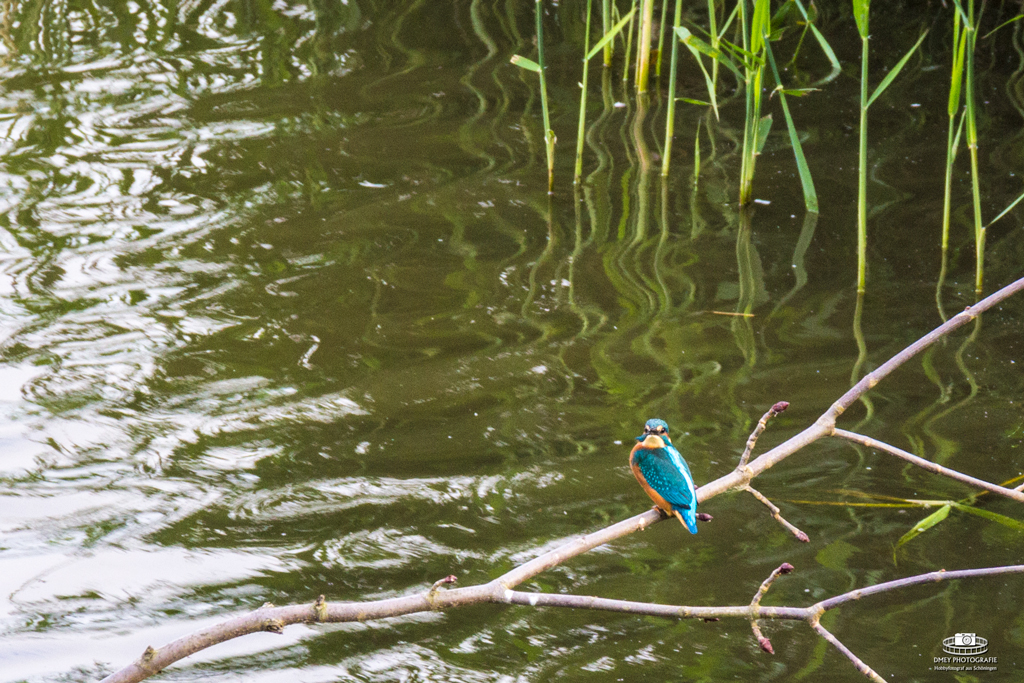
x,y
285,310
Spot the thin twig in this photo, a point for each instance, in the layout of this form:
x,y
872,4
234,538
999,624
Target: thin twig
x,y
761,424
777,515
857,662
784,568
755,604
931,577
1015,494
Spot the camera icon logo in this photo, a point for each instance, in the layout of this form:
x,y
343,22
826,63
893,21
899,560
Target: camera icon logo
x,y
965,644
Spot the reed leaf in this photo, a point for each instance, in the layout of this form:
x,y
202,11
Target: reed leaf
x,y
991,516
525,63
697,45
963,15
610,35
861,10
956,77
1006,210
760,25
764,126
891,76
1005,23
806,182
823,44
924,525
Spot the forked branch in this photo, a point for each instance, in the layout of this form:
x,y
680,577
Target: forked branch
x,y
500,590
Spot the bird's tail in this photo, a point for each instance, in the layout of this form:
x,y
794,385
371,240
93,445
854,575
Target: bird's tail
x,y
687,518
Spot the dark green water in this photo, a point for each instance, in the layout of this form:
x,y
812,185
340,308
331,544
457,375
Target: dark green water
x,y
286,310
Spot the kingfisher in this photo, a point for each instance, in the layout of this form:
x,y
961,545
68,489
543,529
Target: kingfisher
x,y
663,474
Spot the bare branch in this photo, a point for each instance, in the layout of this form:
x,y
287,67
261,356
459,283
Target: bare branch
x,y
861,666
650,609
777,514
931,577
1015,494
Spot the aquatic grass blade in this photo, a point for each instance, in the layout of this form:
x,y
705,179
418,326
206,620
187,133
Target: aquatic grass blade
x,y
525,63
1005,23
861,10
963,15
806,182
1010,522
956,77
1005,211
709,82
760,25
891,76
823,44
924,525
764,126
697,45
610,36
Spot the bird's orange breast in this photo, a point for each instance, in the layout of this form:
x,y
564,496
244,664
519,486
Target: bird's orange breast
x,y
658,499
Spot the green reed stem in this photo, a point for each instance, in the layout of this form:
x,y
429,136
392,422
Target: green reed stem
x,y
549,135
862,172
629,45
972,145
755,130
643,47
696,154
952,140
670,115
715,40
581,130
860,12
661,39
606,24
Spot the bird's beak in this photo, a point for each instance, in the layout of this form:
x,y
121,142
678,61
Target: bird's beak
x,y
651,441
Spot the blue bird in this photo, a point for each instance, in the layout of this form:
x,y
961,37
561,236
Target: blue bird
x,y
663,474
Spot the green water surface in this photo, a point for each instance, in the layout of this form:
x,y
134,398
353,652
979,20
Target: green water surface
x,y
286,310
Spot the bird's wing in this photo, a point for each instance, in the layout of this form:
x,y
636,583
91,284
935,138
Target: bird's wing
x,y
667,473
